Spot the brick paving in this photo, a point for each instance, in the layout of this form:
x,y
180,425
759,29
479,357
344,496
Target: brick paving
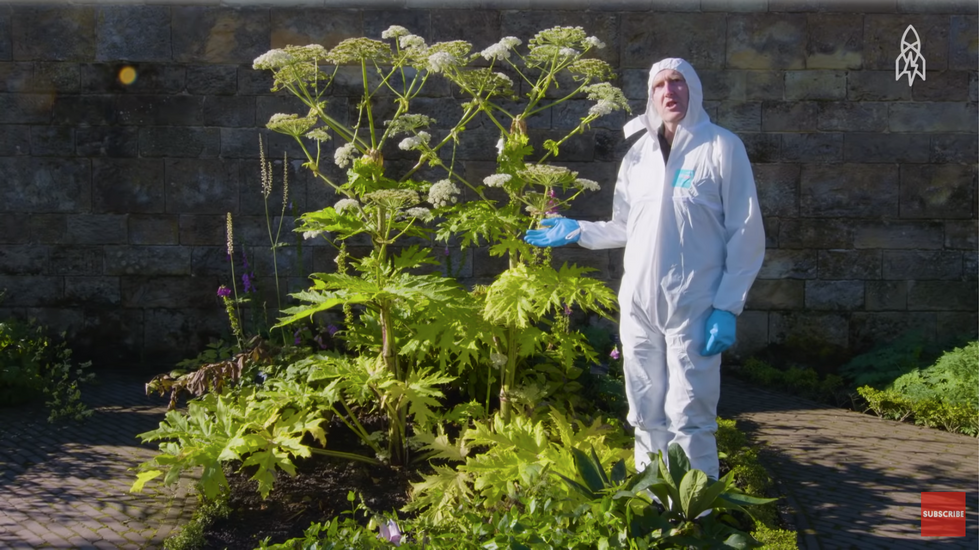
x,y
66,485
851,480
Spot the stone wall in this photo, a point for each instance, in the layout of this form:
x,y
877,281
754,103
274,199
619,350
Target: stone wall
x,y
113,197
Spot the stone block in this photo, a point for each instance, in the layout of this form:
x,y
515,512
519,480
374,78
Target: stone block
x,y
97,229
376,21
22,259
922,264
762,147
45,185
932,117
952,148
697,37
569,114
202,229
220,35
751,334
868,330
938,191
973,87
812,147
942,296
92,291
735,5
6,47
899,235
943,86
212,79
177,141
84,110
789,264
287,262
633,82
324,259
31,290
48,228
852,117
594,205
15,140
834,41
939,6
133,33
476,26
886,148
885,295
25,108
59,78
849,264
961,234
202,186
775,294
174,334
963,43
764,85
876,86
525,24
739,116
815,84
160,110
610,146
957,324
16,77
779,116
128,186
150,229
849,190
816,233
303,26
15,228
883,37
53,33
809,330
150,78
834,295
834,6
243,143
147,261
229,111
210,261
771,225
766,41
254,82
106,141
52,141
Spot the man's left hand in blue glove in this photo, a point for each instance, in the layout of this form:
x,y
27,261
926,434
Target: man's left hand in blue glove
x,y
719,332
561,231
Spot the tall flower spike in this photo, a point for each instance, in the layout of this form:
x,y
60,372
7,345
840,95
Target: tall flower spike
x,y
285,180
266,176
231,239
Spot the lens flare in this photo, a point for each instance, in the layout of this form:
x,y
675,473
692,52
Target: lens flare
x,y
127,75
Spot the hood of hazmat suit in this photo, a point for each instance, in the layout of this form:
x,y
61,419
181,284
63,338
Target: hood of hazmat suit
x,y
691,226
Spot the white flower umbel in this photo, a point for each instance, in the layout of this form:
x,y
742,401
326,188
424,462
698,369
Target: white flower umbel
x,y
318,134
604,107
395,31
273,60
587,184
443,193
497,180
440,61
345,204
419,212
344,154
312,234
415,142
411,41
595,42
501,50
568,52
290,124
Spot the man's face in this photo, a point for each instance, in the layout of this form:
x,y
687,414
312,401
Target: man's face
x,y
670,95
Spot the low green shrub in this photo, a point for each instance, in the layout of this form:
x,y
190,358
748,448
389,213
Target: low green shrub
x,y
34,366
191,535
802,381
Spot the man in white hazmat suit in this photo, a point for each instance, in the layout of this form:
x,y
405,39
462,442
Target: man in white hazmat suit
x,y
685,209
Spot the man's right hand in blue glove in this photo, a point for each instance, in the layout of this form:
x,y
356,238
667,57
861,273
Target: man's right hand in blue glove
x,y
561,231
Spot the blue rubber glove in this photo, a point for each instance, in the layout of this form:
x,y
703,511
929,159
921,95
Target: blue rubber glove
x,y
562,231
719,332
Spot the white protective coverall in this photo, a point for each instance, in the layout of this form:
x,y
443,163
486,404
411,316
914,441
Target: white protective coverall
x,y
694,241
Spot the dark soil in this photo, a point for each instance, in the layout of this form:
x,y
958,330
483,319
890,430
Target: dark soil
x,y
316,494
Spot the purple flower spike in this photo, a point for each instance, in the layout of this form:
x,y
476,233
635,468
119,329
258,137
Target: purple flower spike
x,y
247,282
224,291
568,311
331,330
244,260
390,532
614,354
296,339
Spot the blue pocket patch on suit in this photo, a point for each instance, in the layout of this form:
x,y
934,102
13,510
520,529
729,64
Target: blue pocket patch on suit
x,y
684,179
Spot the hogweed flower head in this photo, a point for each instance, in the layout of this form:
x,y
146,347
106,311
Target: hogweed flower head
x,y
394,31
415,142
408,123
273,60
410,41
497,180
318,134
345,204
393,198
419,212
594,42
443,193
440,61
312,234
587,184
345,154
502,49
290,124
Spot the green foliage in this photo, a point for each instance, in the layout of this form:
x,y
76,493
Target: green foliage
x,y
775,539
32,366
750,476
191,535
930,412
885,362
803,381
